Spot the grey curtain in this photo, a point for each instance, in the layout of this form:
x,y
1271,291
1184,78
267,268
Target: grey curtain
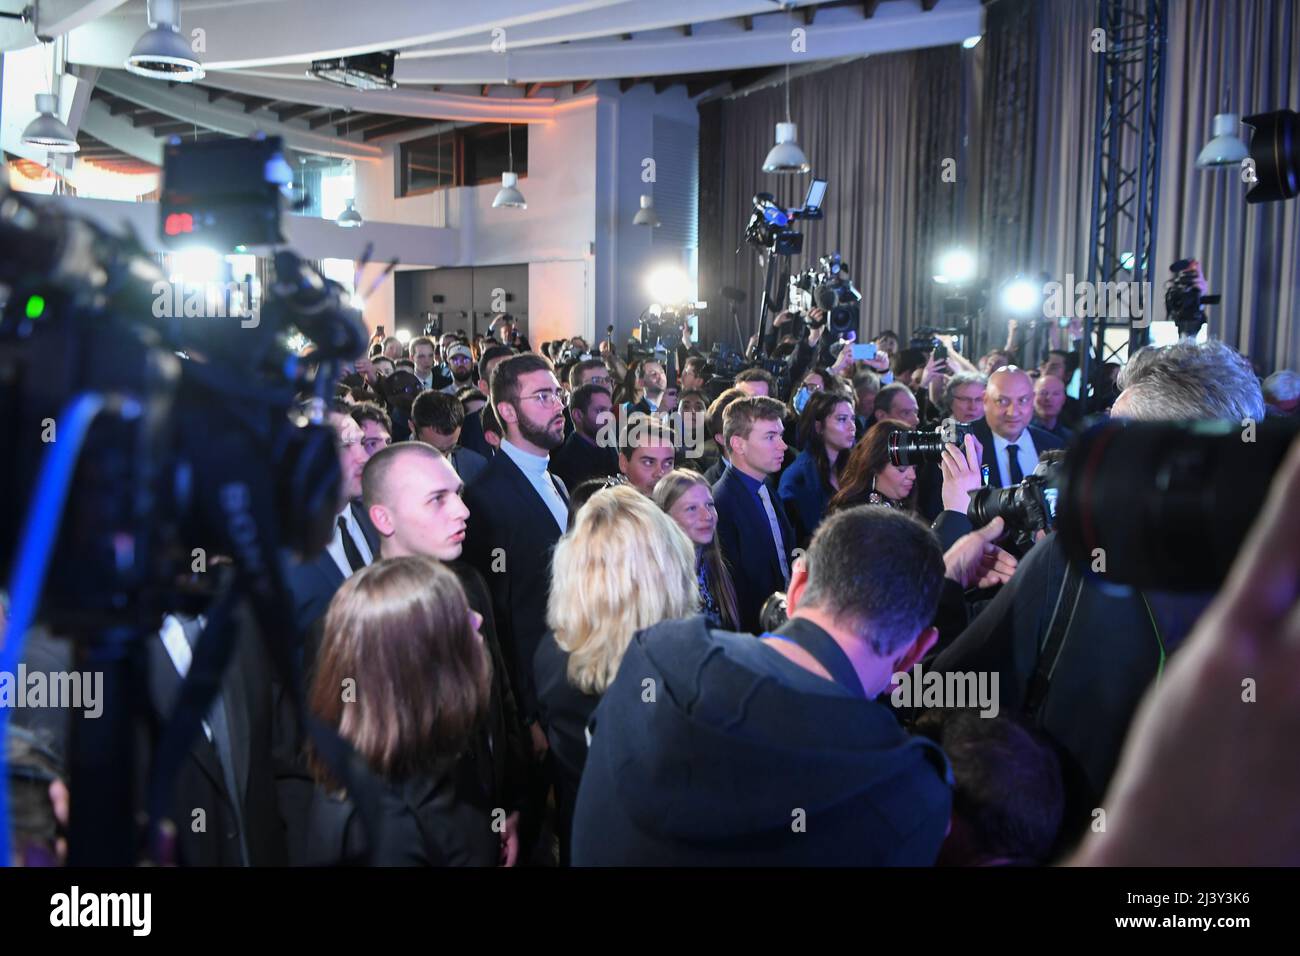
x,y
878,130
1250,253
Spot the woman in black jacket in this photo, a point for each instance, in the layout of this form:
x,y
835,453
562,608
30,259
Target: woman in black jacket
x,y
623,567
402,675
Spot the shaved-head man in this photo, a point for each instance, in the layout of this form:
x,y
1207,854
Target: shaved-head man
x,y
1011,444
413,497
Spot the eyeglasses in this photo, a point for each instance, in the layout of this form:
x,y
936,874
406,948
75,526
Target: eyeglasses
x,y
599,380
548,398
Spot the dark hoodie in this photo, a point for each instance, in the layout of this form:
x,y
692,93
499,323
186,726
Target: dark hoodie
x,y
709,744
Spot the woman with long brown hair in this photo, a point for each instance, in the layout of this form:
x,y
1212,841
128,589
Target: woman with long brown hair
x,y
686,497
870,478
402,675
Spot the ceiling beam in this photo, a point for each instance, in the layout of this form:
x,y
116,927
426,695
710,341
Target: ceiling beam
x,y
167,129
447,106
400,125
156,96
215,94
809,14
627,83
364,121
252,103
662,83
150,118
928,5
869,9
294,110
531,89
687,30
579,87
747,23
838,32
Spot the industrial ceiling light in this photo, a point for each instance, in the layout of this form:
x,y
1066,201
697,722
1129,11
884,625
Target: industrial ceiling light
x,y
47,131
646,215
349,218
509,195
786,156
1226,147
163,53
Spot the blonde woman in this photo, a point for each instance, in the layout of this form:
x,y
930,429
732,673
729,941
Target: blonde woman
x,y
624,566
686,497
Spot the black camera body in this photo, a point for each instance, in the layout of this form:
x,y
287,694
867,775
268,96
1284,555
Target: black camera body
x,y
1025,509
1184,302
920,446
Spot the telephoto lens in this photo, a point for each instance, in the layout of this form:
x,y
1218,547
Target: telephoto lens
x,y
917,447
1166,505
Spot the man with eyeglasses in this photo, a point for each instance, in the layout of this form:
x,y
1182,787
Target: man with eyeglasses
x,y
518,510
582,456
354,545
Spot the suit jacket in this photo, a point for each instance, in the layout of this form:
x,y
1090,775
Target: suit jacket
x,y
713,474
755,569
507,513
641,405
200,783
313,583
1042,440
471,435
578,460
1109,658
804,496
929,478
468,463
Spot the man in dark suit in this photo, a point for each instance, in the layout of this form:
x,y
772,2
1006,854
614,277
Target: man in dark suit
x,y
582,456
471,433
1011,445
517,512
233,763
354,545
753,529
1075,657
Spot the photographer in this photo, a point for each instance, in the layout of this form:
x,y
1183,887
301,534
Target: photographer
x,y
1110,645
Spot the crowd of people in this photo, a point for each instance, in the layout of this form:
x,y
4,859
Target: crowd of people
x,y
581,611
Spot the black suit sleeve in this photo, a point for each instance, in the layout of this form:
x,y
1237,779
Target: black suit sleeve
x,y
1006,635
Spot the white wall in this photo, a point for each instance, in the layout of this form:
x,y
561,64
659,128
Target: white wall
x,y
553,235
626,253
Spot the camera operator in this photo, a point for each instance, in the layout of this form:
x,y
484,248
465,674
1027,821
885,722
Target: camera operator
x,y
1107,645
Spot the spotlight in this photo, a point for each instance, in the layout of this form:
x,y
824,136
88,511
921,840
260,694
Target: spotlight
x,y
956,266
669,285
509,195
1020,296
47,131
646,215
403,336
971,43
1127,260
349,217
163,53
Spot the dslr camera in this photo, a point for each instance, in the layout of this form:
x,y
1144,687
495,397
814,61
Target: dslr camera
x,y
917,447
1026,508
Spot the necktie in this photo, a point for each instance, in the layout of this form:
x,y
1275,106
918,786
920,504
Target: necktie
x,y
355,561
776,531
1013,466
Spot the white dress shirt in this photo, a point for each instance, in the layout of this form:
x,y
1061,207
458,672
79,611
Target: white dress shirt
x,y
335,547
1027,455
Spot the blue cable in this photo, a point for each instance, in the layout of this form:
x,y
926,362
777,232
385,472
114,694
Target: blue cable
x,y
35,548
